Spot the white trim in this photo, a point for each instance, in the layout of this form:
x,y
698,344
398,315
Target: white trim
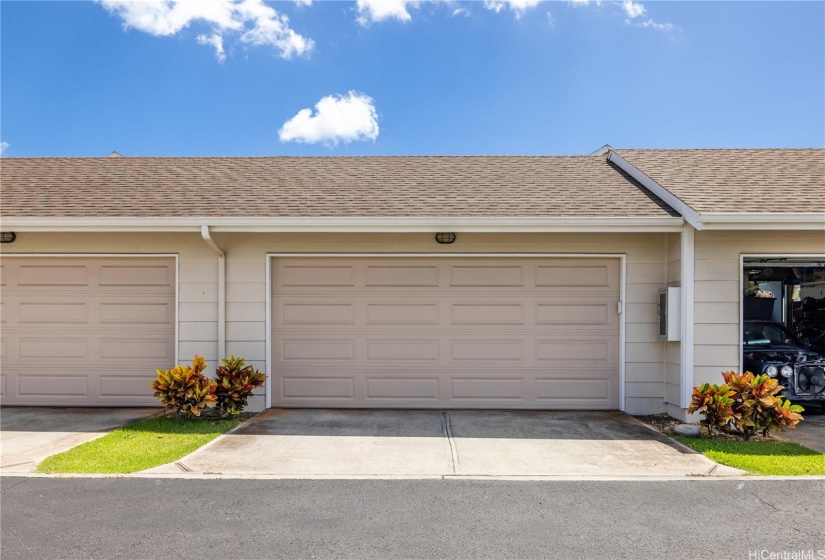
x,y
355,225
765,220
221,291
690,215
742,257
622,294
268,362
175,256
686,348
622,331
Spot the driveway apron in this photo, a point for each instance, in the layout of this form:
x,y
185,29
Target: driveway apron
x,y
426,443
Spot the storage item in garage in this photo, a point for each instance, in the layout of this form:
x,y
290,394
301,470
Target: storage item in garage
x,y
758,308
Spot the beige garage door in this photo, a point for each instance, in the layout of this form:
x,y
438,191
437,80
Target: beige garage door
x,y
446,332
85,331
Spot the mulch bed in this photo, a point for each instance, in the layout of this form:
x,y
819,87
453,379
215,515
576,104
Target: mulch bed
x,y
662,422
214,414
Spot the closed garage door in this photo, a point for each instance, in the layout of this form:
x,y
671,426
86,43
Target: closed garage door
x,y
86,331
446,332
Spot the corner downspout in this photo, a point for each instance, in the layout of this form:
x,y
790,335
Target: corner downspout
x,y
221,291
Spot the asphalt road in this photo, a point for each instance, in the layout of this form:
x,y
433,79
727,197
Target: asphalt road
x,y
227,519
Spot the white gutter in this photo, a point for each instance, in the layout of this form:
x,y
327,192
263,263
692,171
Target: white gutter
x,y
221,291
343,225
765,220
690,215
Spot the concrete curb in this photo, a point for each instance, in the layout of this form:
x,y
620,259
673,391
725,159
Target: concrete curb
x,y
525,478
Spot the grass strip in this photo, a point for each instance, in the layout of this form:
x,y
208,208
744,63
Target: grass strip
x,y
137,446
760,456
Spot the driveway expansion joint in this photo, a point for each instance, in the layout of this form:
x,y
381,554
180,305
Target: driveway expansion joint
x,y
448,431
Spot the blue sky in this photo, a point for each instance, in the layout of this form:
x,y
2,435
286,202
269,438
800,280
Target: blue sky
x,y
393,77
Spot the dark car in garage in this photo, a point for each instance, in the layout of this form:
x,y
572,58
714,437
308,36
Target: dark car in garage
x,y
770,348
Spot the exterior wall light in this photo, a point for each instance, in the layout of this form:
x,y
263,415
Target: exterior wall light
x,y
445,237
7,236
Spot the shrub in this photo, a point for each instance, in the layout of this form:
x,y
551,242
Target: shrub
x,y
715,403
235,382
185,389
746,404
757,406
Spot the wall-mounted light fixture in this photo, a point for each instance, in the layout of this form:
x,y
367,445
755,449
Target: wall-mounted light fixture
x,y
445,237
7,236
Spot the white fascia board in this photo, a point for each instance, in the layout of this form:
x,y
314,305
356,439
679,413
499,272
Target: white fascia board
x,y
765,220
690,215
355,225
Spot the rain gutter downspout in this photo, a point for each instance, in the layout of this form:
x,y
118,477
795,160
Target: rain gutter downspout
x,y
221,291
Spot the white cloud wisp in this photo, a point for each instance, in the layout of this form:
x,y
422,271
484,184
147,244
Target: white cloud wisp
x,y
255,22
373,11
519,7
337,119
3,147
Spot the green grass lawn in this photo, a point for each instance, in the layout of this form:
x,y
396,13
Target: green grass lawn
x,y
766,457
141,445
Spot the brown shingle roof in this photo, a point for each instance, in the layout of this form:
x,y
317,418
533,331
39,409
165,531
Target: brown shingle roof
x,y
547,186
738,180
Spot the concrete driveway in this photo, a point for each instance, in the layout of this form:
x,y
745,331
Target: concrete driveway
x,y
810,432
411,443
30,434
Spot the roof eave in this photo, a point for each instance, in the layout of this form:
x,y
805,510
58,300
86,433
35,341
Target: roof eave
x,y
346,225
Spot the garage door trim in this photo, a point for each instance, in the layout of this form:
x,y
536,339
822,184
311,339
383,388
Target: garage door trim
x,y
175,256
622,293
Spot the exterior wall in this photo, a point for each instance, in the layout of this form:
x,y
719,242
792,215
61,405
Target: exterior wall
x,y
672,366
717,290
647,268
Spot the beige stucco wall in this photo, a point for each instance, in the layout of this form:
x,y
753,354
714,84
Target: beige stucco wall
x,y
647,269
717,290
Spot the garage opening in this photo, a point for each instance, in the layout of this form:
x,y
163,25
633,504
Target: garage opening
x,y
783,330
445,332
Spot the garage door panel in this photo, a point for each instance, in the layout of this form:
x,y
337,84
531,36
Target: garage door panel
x,y
311,276
400,276
52,275
69,340
136,275
53,312
52,385
487,276
402,388
480,389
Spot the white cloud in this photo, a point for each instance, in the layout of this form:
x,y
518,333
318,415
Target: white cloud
x,y
254,21
519,7
551,21
578,3
217,42
654,25
633,9
461,12
371,11
337,118
3,147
